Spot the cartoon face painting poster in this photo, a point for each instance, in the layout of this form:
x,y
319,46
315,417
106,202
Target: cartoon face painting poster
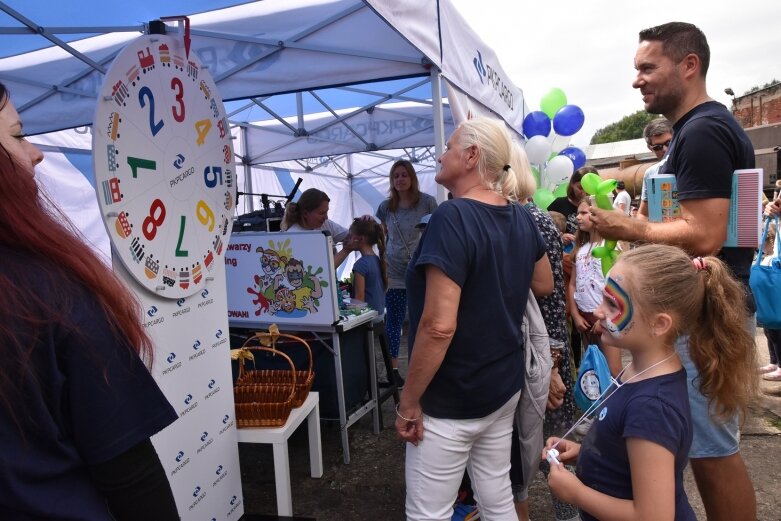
x,y
280,277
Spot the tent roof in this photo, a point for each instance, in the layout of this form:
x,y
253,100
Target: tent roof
x,y
260,50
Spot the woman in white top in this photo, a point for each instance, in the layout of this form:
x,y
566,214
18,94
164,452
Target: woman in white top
x,y
310,212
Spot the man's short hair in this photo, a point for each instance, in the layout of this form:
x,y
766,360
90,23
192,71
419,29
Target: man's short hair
x,y
680,39
620,185
656,127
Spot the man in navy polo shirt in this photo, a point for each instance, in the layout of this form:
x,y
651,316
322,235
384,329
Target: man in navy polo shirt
x,y
707,146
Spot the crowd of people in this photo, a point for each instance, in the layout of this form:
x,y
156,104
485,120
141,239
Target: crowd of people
x,y
676,303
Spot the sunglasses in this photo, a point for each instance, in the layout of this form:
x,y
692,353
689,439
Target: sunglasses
x,y
660,146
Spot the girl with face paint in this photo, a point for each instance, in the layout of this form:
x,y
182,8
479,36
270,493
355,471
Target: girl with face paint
x,y
631,462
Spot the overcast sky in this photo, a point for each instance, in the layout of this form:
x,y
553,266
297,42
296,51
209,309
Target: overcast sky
x,y
587,48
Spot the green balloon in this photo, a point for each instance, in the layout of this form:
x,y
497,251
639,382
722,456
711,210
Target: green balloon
x,y
553,101
607,263
603,201
543,198
607,186
561,190
590,182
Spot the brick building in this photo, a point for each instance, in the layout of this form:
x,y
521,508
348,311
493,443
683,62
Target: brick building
x,y
762,107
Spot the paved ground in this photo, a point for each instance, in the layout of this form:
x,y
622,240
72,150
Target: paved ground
x,y
372,486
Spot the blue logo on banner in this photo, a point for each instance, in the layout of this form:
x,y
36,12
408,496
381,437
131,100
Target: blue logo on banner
x,y
196,491
211,383
204,436
188,399
218,334
180,302
179,456
219,469
196,345
171,358
152,311
478,63
225,419
205,293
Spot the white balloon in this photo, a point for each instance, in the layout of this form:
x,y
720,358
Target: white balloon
x,y
557,142
559,170
538,149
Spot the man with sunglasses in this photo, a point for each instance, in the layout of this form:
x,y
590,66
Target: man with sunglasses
x,y
707,146
657,134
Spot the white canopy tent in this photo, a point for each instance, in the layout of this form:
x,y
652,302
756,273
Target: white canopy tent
x,y
324,79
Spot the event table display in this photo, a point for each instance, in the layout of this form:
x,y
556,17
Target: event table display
x,y
288,279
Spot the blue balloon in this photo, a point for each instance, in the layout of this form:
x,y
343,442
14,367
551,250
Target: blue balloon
x,y
568,120
536,123
577,156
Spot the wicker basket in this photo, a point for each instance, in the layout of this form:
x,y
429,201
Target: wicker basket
x,y
276,377
261,405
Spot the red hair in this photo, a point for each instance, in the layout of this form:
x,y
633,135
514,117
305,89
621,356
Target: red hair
x,y
32,226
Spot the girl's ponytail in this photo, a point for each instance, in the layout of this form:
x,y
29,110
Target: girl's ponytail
x,y
720,343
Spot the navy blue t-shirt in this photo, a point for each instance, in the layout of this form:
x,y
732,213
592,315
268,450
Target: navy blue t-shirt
x,y
93,400
490,252
708,145
374,293
657,410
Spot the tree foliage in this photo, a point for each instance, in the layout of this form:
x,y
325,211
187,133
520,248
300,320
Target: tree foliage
x,y
628,127
756,88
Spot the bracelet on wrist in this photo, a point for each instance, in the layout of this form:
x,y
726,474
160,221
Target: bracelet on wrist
x,y
411,420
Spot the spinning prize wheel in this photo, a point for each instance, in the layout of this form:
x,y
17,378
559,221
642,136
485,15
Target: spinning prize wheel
x,y
163,161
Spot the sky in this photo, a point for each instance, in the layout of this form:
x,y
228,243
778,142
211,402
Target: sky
x,y
587,48
584,48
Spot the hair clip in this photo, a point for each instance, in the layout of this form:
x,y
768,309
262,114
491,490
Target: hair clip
x,y
506,168
699,263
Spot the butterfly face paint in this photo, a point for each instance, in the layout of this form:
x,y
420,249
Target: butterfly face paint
x,y
623,305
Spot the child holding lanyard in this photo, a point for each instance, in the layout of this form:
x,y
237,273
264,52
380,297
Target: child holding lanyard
x,y
631,463
370,278
585,287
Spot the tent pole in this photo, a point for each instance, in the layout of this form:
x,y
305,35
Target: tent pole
x,y
247,171
350,178
439,125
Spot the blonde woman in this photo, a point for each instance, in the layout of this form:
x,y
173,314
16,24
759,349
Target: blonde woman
x,y
467,285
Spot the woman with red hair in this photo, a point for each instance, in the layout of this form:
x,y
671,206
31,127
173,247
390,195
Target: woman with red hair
x,y
77,403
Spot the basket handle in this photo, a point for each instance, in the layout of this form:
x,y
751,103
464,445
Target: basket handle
x,y
270,339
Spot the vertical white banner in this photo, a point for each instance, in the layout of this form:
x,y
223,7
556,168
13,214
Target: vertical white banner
x,y
163,163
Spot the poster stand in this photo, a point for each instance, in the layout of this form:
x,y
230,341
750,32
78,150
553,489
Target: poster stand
x,y
289,279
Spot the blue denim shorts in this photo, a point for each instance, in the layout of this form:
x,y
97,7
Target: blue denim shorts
x,y
712,438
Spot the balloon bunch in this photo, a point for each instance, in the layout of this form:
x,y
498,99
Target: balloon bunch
x,y
549,151
594,185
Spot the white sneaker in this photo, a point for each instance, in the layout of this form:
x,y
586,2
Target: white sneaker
x,y
769,368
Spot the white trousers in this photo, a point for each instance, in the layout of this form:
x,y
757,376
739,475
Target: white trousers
x,y
435,468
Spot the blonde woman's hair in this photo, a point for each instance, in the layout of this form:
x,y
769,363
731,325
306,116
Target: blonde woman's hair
x,y
501,167
710,306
